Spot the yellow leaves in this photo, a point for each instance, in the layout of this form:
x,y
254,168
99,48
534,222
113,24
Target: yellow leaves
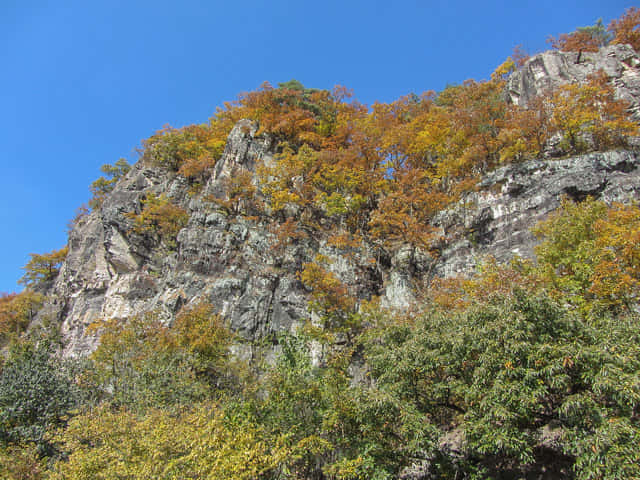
x,y
327,289
344,240
617,273
403,214
280,199
200,330
16,312
161,216
21,462
458,293
590,112
238,193
43,267
202,443
591,251
504,70
286,183
191,150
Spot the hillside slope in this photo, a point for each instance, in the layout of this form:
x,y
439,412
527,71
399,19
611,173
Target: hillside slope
x,y
243,267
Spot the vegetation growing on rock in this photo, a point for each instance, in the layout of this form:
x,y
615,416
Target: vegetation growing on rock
x,y
520,369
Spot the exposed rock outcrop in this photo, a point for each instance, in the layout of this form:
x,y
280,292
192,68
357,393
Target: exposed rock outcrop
x,y
231,261
497,220
553,68
237,263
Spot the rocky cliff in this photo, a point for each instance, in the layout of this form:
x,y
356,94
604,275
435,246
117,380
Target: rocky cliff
x,y
550,69
238,264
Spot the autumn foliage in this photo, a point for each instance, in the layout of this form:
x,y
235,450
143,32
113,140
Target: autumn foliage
x,y
623,30
43,267
161,217
626,29
531,364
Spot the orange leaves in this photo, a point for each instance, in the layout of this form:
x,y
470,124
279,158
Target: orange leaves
x,y
574,42
403,214
291,112
616,276
626,29
382,173
623,30
239,194
16,311
329,293
590,111
287,233
591,253
526,130
585,39
457,293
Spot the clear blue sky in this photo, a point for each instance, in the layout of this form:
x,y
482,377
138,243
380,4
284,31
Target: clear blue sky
x,y
83,82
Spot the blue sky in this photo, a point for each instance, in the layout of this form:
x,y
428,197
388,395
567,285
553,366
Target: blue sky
x,y
83,82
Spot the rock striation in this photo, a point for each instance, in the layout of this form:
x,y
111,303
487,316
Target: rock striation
x,y
234,262
497,219
552,68
238,264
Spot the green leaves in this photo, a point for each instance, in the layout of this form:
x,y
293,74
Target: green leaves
x,y
506,370
143,363
37,393
104,185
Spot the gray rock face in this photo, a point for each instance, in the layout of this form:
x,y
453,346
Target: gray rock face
x,y
230,261
236,263
233,263
553,68
498,218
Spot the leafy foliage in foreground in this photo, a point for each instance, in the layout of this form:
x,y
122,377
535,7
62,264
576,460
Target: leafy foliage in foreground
x,y
522,368
519,375
143,363
201,443
37,393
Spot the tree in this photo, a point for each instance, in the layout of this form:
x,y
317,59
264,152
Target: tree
x,y
142,363
37,393
160,216
331,298
589,116
509,369
43,267
590,254
199,443
104,185
16,312
21,462
139,365
583,39
527,129
626,29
